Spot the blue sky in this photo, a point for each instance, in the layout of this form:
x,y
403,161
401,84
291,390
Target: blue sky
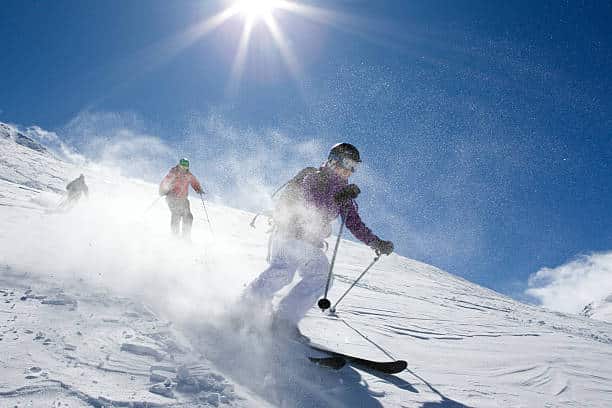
x,y
486,127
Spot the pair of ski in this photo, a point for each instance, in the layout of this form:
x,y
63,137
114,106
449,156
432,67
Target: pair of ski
x,y
337,360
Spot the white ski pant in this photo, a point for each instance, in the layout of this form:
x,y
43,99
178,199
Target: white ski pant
x,y
289,256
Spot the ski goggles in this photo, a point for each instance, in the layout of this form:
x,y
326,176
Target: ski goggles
x,y
346,163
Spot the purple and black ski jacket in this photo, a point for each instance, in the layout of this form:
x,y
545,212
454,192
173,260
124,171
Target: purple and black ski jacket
x,y
321,208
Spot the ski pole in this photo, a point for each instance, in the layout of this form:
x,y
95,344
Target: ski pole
x,y
333,309
206,212
324,303
152,205
252,223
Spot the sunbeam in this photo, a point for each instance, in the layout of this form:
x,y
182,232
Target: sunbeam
x,y
238,66
283,47
254,11
199,30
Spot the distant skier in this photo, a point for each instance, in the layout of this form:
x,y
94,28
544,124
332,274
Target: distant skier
x,y
175,186
302,218
74,190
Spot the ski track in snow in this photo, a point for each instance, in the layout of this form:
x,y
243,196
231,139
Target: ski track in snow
x,y
146,324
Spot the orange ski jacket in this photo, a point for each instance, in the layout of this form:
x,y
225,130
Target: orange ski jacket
x,y
177,183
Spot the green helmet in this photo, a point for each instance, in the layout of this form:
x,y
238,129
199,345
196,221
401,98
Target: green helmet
x,y
184,163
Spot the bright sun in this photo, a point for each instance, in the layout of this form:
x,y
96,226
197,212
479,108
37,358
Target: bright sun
x,y
257,9
253,12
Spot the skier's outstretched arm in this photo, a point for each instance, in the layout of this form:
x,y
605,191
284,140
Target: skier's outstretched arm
x,y
195,184
353,222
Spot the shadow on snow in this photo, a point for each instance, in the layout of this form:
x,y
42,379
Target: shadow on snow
x,y
280,372
444,401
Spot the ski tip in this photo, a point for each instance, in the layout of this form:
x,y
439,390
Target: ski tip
x,y
391,367
402,365
396,367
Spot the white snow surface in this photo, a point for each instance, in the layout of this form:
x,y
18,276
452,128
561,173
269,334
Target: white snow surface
x,y
100,306
600,310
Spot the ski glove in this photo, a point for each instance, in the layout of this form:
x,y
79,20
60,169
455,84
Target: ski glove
x,y
347,194
383,247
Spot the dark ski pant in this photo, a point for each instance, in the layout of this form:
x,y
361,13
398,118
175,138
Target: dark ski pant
x,y
70,201
181,211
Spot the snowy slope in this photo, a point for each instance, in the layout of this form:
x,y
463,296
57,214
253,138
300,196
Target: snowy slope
x,y
600,310
8,132
100,304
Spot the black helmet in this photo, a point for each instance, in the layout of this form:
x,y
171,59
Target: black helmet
x,y
344,150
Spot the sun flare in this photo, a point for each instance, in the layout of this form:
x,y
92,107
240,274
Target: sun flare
x,y
257,9
267,14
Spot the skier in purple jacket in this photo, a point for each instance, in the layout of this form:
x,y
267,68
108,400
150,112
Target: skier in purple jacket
x,y
302,222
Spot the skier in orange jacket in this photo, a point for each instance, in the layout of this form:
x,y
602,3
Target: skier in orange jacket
x,y
175,186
